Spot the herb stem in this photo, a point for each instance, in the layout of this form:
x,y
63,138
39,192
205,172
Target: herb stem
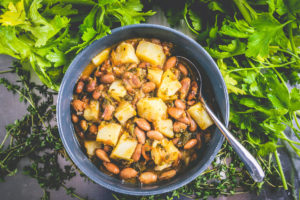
x,y
264,67
280,170
290,32
73,194
6,71
296,120
5,138
286,51
243,10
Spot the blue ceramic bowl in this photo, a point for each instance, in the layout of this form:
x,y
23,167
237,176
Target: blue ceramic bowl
x,y
187,47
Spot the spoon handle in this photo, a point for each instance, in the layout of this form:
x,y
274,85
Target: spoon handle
x,y
250,162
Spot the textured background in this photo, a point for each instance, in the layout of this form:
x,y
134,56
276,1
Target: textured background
x,y
24,187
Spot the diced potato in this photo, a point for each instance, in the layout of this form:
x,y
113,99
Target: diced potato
x,y
154,75
169,86
124,148
165,127
124,53
124,112
150,52
91,112
88,70
152,109
117,90
91,146
199,114
101,57
164,152
109,133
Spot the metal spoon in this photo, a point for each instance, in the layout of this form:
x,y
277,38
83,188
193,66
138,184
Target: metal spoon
x,y
251,164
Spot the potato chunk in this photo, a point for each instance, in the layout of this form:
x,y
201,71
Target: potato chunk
x,y
117,90
199,114
109,133
124,53
164,153
91,146
165,127
169,86
124,148
154,75
91,112
150,52
152,109
99,59
124,112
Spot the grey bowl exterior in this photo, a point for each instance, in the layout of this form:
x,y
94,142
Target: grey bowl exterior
x,y
192,50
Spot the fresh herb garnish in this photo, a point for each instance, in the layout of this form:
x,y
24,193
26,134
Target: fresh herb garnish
x,y
45,32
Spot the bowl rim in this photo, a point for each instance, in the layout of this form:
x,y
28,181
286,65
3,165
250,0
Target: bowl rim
x,y
158,190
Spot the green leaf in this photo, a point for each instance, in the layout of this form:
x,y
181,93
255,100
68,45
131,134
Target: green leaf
x,y
15,15
233,49
60,9
237,29
267,148
11,45
267,31
88,34
294,99
215,6
57,57
196,20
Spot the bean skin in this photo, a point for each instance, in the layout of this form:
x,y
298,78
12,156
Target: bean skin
x,y
75,118
167,175
170,63
182,69
119,71
108,112
101,154
180,104
175,140
111,167
190,144
179,127
91,86
185,87
193,125
199,140
144,65
81,135
79,87
78,105
140,135
184,119
143,124
193,92
137,153
128,173
176,113
97,92
155,135
83,125
148,177
107,78
148,87
190,103
145,148
93,129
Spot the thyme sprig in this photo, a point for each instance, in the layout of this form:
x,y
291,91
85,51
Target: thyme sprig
x,y
36,137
